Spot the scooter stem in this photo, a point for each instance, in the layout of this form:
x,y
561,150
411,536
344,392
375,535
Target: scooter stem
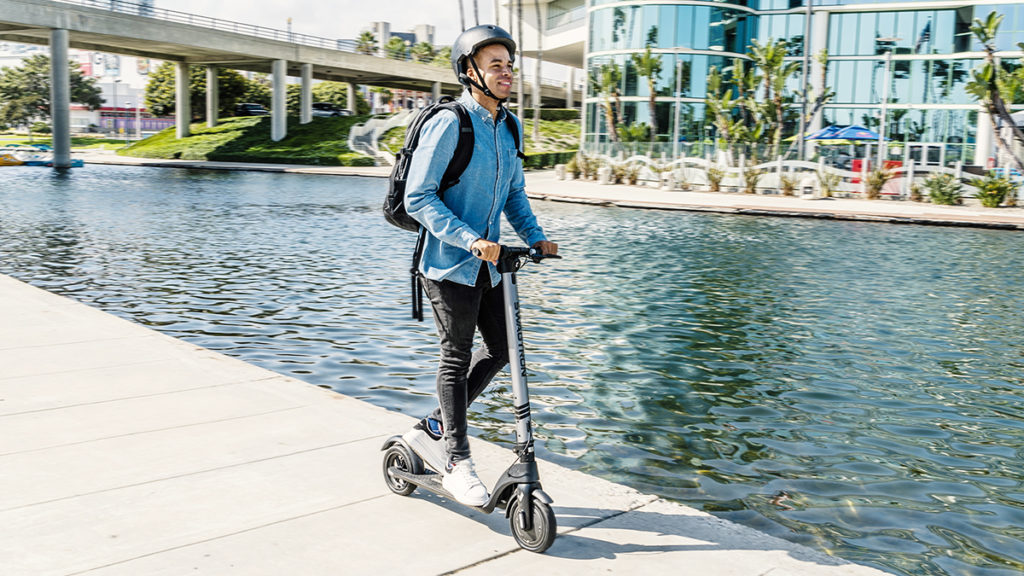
x,y
517,361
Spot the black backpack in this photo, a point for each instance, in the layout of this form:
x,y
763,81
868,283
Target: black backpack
x,y
394,202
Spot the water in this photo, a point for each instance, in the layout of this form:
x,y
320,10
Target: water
x,y
855,387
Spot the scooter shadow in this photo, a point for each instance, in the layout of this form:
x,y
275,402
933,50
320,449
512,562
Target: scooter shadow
x,y
600,533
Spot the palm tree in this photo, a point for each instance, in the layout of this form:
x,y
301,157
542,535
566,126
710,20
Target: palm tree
x,y
462,15
649,66
992,85
423,52
396,49
366,43
476,13
770,58
605,81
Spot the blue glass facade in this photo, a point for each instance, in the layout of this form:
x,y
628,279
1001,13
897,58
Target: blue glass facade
x,y
931,47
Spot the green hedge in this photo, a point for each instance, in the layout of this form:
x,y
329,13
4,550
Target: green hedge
x,y
558,114
547,159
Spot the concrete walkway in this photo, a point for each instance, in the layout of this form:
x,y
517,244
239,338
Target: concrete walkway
x,y
543,185
127,452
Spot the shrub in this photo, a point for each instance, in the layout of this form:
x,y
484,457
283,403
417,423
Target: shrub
x,y
788,184
41,128
915,192
993,190
572,167
559,114
944,189
829,182
750,177
715,177
547,159
876,180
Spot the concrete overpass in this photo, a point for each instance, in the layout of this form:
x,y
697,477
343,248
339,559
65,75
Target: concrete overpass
x,y
123,27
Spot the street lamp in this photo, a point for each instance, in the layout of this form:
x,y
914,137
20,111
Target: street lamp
x,y
127,106
885,97
679,88
116,82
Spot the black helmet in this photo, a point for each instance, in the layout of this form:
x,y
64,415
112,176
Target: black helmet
x,y
467,44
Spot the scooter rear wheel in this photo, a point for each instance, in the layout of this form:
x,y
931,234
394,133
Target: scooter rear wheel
x,y
539,536
399,457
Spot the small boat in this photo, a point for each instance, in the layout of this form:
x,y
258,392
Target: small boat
x,y
31,155
9,160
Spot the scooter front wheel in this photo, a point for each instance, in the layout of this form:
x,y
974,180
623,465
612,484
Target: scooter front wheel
x,y
399,457
538,535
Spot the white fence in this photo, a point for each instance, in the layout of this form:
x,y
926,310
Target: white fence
x,y
808,177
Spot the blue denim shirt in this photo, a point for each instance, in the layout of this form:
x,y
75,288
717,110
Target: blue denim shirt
x,y
492,184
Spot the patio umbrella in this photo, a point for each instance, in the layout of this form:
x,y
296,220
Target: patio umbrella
x,y
826,133
855,133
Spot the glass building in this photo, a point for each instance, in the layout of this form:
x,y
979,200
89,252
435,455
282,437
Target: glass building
x,y
929,42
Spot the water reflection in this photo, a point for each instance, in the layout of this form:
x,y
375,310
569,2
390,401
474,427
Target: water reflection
x,y
852,386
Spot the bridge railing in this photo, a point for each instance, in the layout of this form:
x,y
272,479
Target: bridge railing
x,y
342,45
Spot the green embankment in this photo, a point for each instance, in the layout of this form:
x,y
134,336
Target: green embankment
x,y
556,144
324,141
321,142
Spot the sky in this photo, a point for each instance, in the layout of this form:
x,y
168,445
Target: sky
x,y
342,18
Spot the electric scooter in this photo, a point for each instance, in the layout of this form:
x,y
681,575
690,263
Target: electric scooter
x,y
518,491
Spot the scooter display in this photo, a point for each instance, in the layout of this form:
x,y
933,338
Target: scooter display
x,y
518,491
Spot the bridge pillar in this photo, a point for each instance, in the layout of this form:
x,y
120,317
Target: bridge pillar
x,y
568,88
279,101
60,98
351,107
212,97
182,102
306,105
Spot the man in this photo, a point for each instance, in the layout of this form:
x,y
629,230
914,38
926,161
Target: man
x,y
463,287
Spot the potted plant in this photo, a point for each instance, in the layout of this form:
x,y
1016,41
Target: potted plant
x,y
944,189
992,190
715,177
876,180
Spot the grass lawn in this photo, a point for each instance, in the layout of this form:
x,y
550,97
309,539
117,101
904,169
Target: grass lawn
x,y
324,141
77,142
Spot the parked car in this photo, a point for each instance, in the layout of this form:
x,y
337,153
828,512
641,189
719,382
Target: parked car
x,y
328,109
249,109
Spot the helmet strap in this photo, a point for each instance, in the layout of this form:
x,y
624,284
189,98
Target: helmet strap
x,y
479,85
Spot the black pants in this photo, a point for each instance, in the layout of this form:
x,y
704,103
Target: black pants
x,y
462,374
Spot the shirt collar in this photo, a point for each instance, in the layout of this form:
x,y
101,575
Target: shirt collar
x,y
474,107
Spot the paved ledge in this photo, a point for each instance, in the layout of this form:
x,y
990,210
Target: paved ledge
x,y
128,452
543,185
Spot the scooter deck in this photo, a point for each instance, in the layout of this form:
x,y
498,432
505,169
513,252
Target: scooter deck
x,y
431,481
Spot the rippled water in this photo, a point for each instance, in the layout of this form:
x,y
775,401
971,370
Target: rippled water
x,y
855,387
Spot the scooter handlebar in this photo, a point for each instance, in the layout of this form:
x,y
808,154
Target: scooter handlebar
x,y
520,252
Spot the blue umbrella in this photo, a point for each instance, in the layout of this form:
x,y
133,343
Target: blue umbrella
x,y
855,133
826,133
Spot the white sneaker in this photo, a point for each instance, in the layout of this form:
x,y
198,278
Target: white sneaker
x,y
428,445
464,485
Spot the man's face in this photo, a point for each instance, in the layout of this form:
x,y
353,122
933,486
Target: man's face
x,y
495,64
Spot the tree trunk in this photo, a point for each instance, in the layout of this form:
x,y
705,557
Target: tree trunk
x,y
519,58
476,12
609,116
462,15
654,117
536,81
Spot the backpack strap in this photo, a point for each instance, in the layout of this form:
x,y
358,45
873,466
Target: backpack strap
x,y
463,149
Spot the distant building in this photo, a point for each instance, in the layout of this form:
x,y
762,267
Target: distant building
x,y
932,50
